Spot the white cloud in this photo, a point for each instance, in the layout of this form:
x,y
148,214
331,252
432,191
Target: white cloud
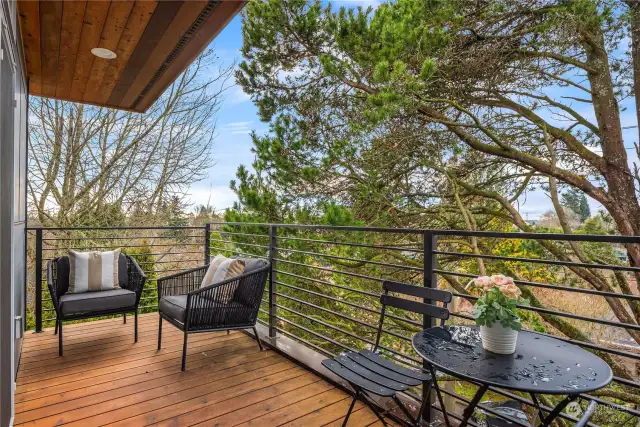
x,y
237,128
238,96
219,196
238,124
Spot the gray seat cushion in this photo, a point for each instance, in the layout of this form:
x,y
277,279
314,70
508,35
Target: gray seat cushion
x,y
231,314
174,306
88,302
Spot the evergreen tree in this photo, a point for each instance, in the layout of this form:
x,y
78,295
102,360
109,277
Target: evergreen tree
x,y
576,201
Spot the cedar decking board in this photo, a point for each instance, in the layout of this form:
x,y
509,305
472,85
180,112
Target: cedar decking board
x,y
106,379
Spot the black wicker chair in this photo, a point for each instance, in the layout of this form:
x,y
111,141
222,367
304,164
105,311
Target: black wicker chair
x,y
86,305
227,305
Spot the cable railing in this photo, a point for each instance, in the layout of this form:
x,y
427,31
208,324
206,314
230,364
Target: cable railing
x,y
325,283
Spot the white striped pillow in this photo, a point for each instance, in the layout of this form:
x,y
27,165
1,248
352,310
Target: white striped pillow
x,y
93,271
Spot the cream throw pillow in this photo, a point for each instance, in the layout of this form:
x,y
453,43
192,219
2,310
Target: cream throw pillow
x,y
221,269
93,271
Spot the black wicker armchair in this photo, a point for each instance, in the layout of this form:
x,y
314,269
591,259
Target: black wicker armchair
x,y
227,305
86,305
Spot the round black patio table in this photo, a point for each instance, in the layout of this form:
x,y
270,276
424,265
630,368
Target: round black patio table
x,y
540,365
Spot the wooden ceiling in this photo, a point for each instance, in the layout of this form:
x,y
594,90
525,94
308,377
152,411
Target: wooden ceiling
x,y
154,42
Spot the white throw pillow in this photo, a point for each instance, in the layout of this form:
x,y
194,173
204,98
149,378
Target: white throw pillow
x,y
222,268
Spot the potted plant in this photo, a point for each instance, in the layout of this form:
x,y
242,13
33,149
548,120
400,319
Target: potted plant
x,y
496,312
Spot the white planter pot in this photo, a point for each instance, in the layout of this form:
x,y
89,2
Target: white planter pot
x,y
498,339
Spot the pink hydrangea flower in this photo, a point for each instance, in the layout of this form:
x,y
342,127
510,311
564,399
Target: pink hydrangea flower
x,y
500,279
510,291
483,282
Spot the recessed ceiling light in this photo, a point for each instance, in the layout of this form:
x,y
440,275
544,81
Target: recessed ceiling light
x,y
103,53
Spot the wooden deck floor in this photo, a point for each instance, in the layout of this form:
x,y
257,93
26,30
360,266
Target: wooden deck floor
x,y
106,379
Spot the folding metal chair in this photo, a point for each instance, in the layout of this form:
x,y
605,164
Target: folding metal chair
x,y
368,373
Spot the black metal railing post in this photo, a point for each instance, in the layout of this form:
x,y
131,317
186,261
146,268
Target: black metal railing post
x,y
38,280
273,249
429,280
207,244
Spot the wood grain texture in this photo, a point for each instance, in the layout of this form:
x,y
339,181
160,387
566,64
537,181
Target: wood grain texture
x,y
58,36
104,378
94,19
50,18
222,13
29,15
112,31
182,20
161,18
72,18
136,25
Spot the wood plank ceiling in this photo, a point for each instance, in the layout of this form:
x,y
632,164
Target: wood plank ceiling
x,y
154,41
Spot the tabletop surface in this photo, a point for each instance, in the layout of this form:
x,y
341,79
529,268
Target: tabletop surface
x,y
541,364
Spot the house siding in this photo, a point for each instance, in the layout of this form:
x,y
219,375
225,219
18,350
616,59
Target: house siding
x,y
13,163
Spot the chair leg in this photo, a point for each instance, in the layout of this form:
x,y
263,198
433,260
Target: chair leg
x,y
255,333
124,318
439,394
353,402
373,408
136,326
59,337
55,331
228,332
159,332
184,352
426,402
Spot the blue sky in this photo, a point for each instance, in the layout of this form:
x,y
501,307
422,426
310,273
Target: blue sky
x,y
238,117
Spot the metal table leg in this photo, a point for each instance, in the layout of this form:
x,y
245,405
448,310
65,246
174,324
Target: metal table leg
x,y
539,412
556,411
439,394
472,405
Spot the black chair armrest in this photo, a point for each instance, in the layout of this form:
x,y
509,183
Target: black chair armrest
x,y
53,286
181,283
588,413
136,277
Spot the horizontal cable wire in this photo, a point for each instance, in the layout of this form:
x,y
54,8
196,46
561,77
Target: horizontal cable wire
x,y
358,291
239,243
541,261
361,307
331,270
383,264
564,314
357,245
305,342
367,341
547,286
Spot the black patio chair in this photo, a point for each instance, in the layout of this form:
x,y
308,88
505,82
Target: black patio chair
x,y
368,373
86,305
228,305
